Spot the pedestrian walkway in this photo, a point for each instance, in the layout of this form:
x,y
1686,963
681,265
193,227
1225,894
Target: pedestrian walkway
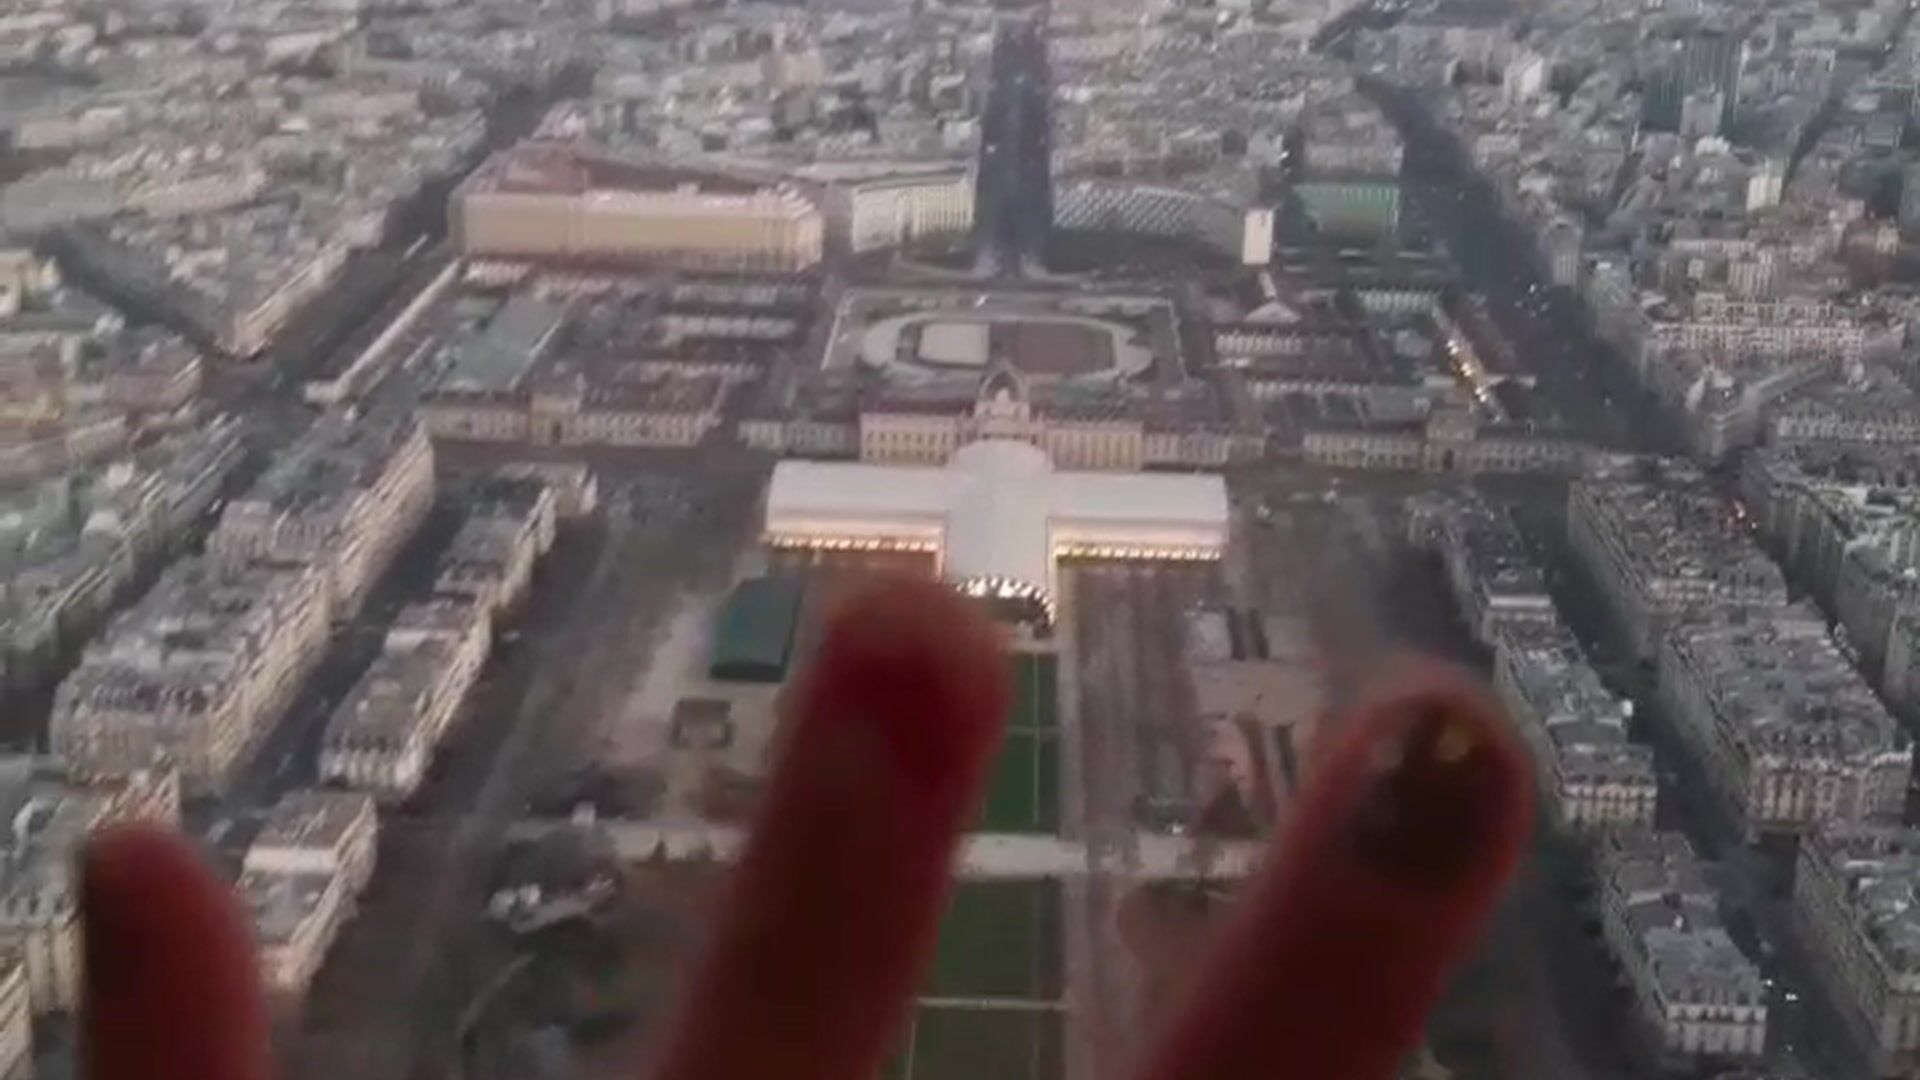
x,y
983,856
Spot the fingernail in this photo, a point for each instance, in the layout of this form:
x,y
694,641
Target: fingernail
x,y
1436,787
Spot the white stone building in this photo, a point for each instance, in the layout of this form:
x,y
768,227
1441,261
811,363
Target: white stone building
x,y
316,830
998,517
1493,578
1855,894
1786,731
344,500
194,673
509,526
382,737
301,878
546,201
899,211
16,1020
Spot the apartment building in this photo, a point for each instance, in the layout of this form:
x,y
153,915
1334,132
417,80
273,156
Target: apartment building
x,y
301,877
1593,778
1663,544
343,500
194,673
16,1020
1787,732
382,737
1854,892
1695,993
51,817
492,557
1493,578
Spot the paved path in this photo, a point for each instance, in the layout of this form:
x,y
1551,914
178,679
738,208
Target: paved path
x,y
982,855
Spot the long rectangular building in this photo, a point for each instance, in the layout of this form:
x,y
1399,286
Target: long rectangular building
x,y
1664,544
51,818
195,673
344,499
301,877
550,202
382,738
1592,776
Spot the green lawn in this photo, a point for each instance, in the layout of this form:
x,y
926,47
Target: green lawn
x,y
999,939
1023,791
980,1044
1000,944
1036,692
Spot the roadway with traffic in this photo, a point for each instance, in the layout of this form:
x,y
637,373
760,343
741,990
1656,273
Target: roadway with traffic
x,y
1013,209
1574,1021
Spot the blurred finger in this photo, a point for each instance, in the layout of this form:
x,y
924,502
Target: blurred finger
x,y
833,907
1384,876
172,987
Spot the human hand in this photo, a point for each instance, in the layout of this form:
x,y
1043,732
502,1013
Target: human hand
x,y
1414,817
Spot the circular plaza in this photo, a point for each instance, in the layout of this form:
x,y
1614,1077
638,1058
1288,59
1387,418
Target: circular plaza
x,y
1046,345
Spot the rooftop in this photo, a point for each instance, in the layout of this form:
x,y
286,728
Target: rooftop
x,y
187,640
314,818
1552,673
1878,869
1781,688
282,902
1678,530
385,706
1657,886
550,168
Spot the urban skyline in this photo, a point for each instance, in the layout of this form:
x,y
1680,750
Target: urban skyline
x,y
433,433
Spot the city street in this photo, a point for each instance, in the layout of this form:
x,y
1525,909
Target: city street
x,y
288,756
1014,207
1549,328
404,969
1138,745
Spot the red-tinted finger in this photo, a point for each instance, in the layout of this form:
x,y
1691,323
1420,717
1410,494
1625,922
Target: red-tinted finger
x,y
1398,851
833,907
172,988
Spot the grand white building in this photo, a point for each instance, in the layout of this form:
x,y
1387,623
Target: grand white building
x,y
998,517
542,201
